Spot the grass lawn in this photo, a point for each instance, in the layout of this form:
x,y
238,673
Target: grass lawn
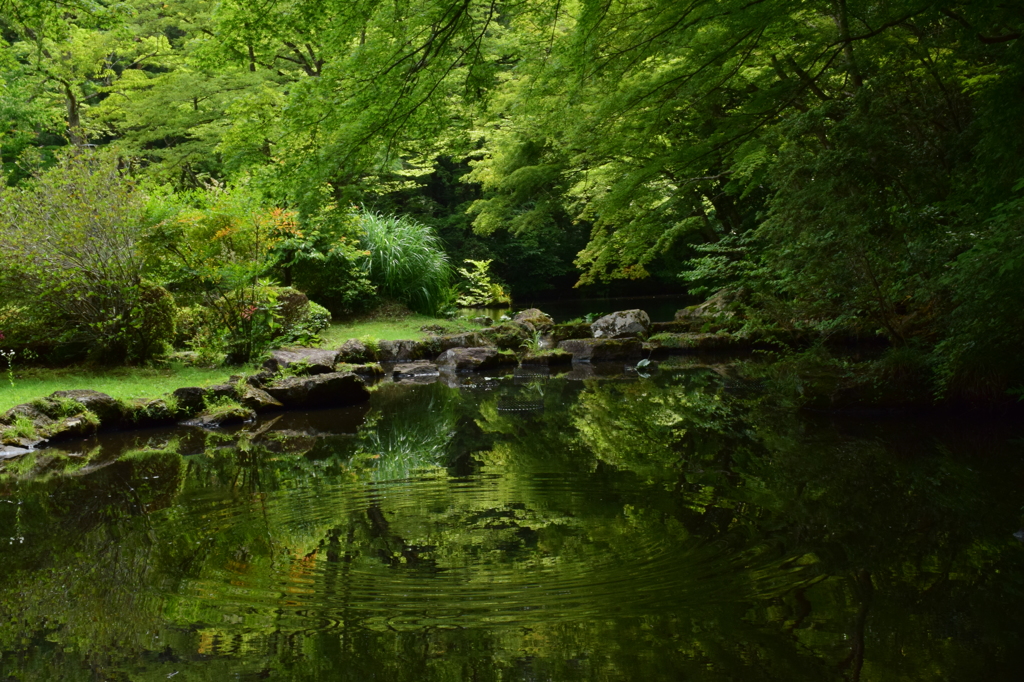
x,y
119,382
132,382
390,328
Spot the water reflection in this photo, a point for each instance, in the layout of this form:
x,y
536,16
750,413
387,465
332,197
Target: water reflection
x,y
531,528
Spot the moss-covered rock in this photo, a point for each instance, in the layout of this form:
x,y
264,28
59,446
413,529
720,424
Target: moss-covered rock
x,y
547,358
508,335
602,350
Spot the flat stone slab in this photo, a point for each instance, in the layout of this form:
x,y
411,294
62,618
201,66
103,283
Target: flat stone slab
x,y
402,350
309,360
469,359
550,358
415,369
321,390
602,350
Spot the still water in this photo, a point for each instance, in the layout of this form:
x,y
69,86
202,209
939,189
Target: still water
x,y
676,527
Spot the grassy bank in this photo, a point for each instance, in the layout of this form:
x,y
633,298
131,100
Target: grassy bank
x,y
134,382
391,328
119,382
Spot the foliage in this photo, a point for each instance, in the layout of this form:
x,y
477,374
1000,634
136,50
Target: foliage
x,y
478,290
70,257
322,258
216,253
406,262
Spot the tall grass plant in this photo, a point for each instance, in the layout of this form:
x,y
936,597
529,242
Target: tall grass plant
x,y
406,262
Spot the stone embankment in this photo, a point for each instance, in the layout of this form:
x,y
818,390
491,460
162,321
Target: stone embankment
x,y
301,378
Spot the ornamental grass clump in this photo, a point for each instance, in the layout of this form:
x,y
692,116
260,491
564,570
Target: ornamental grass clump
x,y
406,262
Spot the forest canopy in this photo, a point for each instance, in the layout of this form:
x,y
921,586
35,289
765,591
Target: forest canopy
x,y
833,162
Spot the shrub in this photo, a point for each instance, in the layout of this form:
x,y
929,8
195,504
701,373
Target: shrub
x,y
214,253
321,256
70,256
479,289
405,262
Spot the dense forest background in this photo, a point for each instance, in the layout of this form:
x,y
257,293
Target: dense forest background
x,y
834,164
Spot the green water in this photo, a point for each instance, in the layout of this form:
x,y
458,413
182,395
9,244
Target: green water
x,y
672,528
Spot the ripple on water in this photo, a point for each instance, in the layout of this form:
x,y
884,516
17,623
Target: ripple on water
x,y
466,551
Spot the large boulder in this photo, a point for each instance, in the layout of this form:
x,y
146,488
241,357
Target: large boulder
x,y
402,350
302,360
463,340
535,319
321,390
190,400
106,409
602,350
713,314
146,413
356,352
509,335
258,400
469,359
625,324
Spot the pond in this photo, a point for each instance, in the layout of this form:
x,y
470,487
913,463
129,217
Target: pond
x,y
522,527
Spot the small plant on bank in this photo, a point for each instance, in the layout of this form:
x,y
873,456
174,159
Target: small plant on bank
x,y
479,289
8,355
23,427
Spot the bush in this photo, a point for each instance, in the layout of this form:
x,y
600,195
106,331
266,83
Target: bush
x,y
70,257
479,289
405,262
321,256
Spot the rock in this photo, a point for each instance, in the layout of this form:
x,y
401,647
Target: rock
x,y
223,417
336,388
464,340
483,321
402,350
710,315
258,400
602,350
11,451
355,351
144,413
78,426
665,344
536,319
221,391
106,409
509,335
547,358
624,324
302,360
260,378
414,369
190,399
578,330
368,371
468,359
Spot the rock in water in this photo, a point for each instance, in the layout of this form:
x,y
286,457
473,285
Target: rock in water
x,y
322,390
468,359
602,350
625,324
535,318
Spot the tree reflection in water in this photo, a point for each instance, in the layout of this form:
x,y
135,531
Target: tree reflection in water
x,y
660,528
